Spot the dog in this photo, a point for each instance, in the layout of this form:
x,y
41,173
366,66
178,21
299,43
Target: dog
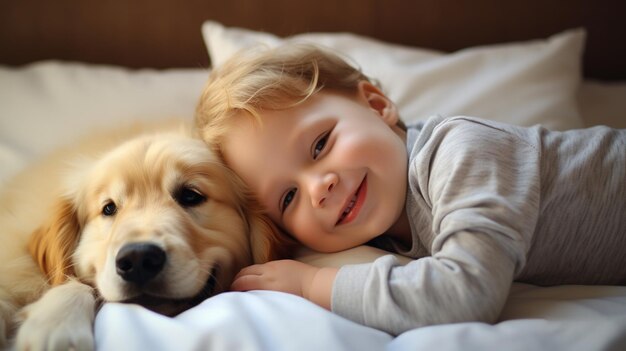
x,y
154,219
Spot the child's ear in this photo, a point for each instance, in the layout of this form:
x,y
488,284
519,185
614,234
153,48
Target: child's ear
x,y
378,102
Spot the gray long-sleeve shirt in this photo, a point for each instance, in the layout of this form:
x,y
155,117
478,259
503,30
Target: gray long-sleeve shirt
x,y
491,203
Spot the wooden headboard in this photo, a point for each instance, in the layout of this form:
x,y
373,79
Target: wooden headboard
x,y
166,33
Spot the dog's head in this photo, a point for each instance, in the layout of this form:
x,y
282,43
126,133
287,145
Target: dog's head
x,y
158,221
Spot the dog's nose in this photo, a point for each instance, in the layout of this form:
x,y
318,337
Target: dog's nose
x,y
139,262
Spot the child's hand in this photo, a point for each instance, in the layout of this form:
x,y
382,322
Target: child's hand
x,y
288,276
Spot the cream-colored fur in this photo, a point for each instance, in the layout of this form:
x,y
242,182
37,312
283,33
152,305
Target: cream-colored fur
x,y
59,248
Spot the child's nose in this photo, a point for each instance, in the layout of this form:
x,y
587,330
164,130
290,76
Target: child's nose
x,y
321,188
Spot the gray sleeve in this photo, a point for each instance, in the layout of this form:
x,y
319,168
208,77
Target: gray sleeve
x,y
482,186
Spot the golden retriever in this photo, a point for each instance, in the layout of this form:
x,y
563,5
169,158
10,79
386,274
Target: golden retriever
x,y
156,220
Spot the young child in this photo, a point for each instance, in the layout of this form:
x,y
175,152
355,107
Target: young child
x,y
477,204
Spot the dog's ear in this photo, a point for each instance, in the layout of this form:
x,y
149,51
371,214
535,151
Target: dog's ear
x,y
53,243
267,241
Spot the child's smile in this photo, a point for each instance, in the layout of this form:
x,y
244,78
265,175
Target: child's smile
x,y
354,204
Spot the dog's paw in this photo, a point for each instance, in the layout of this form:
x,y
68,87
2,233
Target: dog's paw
x,y
61,320
37,334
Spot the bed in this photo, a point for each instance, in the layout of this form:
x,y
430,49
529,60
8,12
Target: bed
x,y
68,68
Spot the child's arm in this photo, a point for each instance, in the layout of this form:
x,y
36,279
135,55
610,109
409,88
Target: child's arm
x,y
312,283
474,205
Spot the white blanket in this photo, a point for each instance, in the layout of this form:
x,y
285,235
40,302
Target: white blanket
x,y
560,318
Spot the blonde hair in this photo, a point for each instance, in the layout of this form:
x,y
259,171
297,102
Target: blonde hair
x,y
269,79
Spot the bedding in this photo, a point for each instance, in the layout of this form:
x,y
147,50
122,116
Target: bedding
x,y
522,83
48,104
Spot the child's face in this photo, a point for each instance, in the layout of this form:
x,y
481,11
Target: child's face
x,y
331,171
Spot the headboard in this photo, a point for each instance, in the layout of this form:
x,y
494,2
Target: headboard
x,y
166,33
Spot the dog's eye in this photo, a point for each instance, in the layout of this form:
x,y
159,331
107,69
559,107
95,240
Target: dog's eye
x,y
188,197
109,209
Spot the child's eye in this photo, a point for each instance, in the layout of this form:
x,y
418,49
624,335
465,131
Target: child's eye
x,y
319,144
287,198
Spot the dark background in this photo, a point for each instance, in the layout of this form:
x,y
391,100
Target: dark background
x,y
166,33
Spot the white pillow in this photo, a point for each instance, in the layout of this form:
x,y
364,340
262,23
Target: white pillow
x,y
51,103
524,83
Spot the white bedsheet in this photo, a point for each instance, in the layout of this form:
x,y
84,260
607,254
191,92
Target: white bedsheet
x,y
559,318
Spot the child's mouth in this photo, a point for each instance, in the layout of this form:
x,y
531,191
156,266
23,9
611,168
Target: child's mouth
x,y
354,205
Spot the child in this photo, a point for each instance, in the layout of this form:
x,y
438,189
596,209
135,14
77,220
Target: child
x,y
477,204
